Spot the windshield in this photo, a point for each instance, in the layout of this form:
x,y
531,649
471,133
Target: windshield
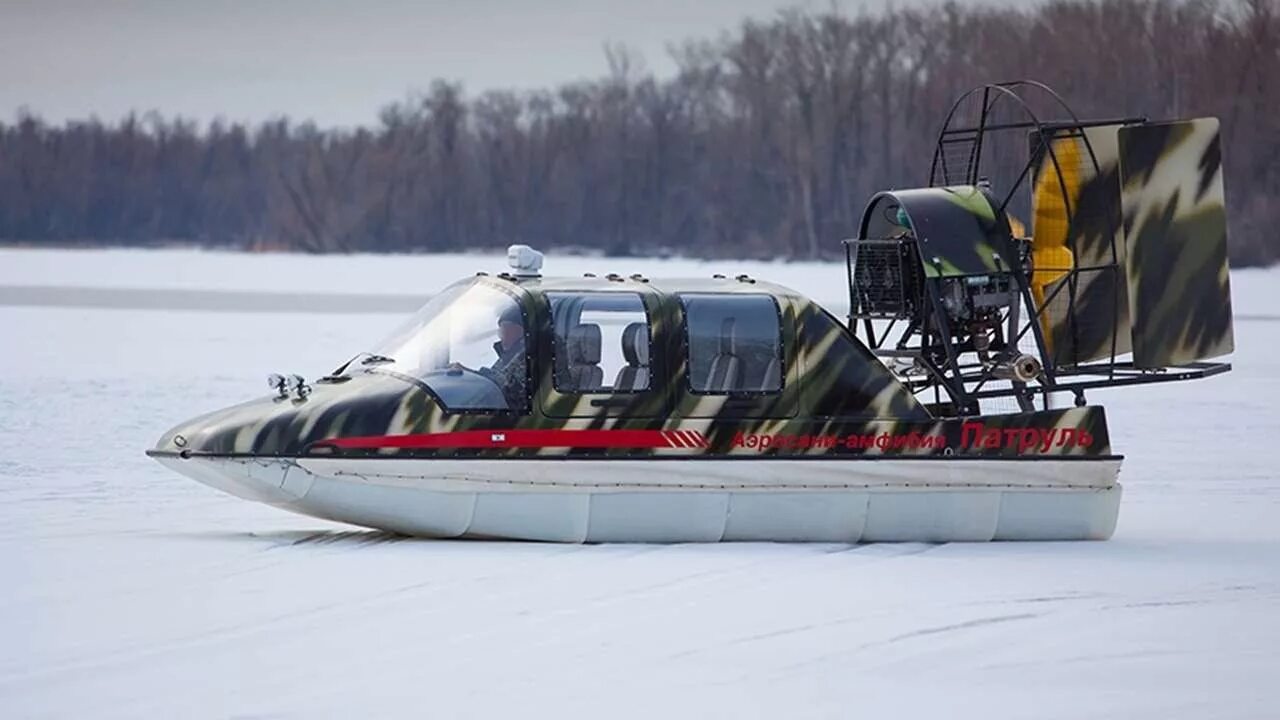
x,y
468,345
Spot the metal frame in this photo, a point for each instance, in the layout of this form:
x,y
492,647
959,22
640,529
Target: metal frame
x,y
949,361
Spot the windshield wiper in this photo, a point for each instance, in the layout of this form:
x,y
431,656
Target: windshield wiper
x,y
341,373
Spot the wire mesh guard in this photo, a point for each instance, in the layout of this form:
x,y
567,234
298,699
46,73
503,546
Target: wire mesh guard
x,y
887,278
957,161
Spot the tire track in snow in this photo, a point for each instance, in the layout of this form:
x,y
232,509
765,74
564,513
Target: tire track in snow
x,y
125,653
979,622
842,557
865,553
975,623
838,556
878,552
1229,594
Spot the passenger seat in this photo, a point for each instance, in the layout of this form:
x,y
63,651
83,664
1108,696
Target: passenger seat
x,y
635,349
584,373
725,374
772,376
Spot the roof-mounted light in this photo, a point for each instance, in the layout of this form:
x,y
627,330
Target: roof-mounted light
x,y
524,260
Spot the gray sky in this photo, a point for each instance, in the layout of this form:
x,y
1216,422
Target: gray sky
x,y
334,62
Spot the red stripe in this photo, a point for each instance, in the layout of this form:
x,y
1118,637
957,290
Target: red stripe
x,y
510,439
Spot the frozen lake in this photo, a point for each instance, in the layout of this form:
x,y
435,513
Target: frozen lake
x,y
132,592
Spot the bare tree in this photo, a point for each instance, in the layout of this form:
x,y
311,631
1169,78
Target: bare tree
x,y
766,141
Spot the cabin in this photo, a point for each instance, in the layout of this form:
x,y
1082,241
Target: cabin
x,y
639,348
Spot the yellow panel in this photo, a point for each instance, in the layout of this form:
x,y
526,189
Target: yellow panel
x,y
1051,259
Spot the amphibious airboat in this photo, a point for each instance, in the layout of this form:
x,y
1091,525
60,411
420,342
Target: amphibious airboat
x,y
624,408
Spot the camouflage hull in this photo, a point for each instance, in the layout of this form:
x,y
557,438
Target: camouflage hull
x,y
838,451
921,499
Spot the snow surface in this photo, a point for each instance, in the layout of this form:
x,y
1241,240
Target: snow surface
x,y
132,592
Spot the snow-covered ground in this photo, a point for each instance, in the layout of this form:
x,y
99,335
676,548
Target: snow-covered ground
x,y
127,591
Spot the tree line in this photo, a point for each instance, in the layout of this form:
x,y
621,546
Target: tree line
x,y
766,142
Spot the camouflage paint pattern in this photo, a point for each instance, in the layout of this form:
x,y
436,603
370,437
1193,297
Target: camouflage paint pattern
x,y
837,400
1175,228
1087,314
956,229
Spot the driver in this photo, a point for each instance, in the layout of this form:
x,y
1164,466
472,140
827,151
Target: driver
x,y
508,371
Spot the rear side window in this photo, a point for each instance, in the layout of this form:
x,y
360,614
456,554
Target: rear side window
x,y
735,343
601,342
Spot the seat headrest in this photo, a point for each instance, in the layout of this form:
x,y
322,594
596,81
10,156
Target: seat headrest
x,y
584,344
635,344
729,336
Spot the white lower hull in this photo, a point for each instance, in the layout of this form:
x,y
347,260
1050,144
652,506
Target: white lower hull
x,y
861,500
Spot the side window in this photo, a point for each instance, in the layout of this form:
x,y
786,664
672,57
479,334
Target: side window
x,y
601,342
735,343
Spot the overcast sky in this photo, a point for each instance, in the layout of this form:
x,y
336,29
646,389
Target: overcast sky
x,y
334,62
